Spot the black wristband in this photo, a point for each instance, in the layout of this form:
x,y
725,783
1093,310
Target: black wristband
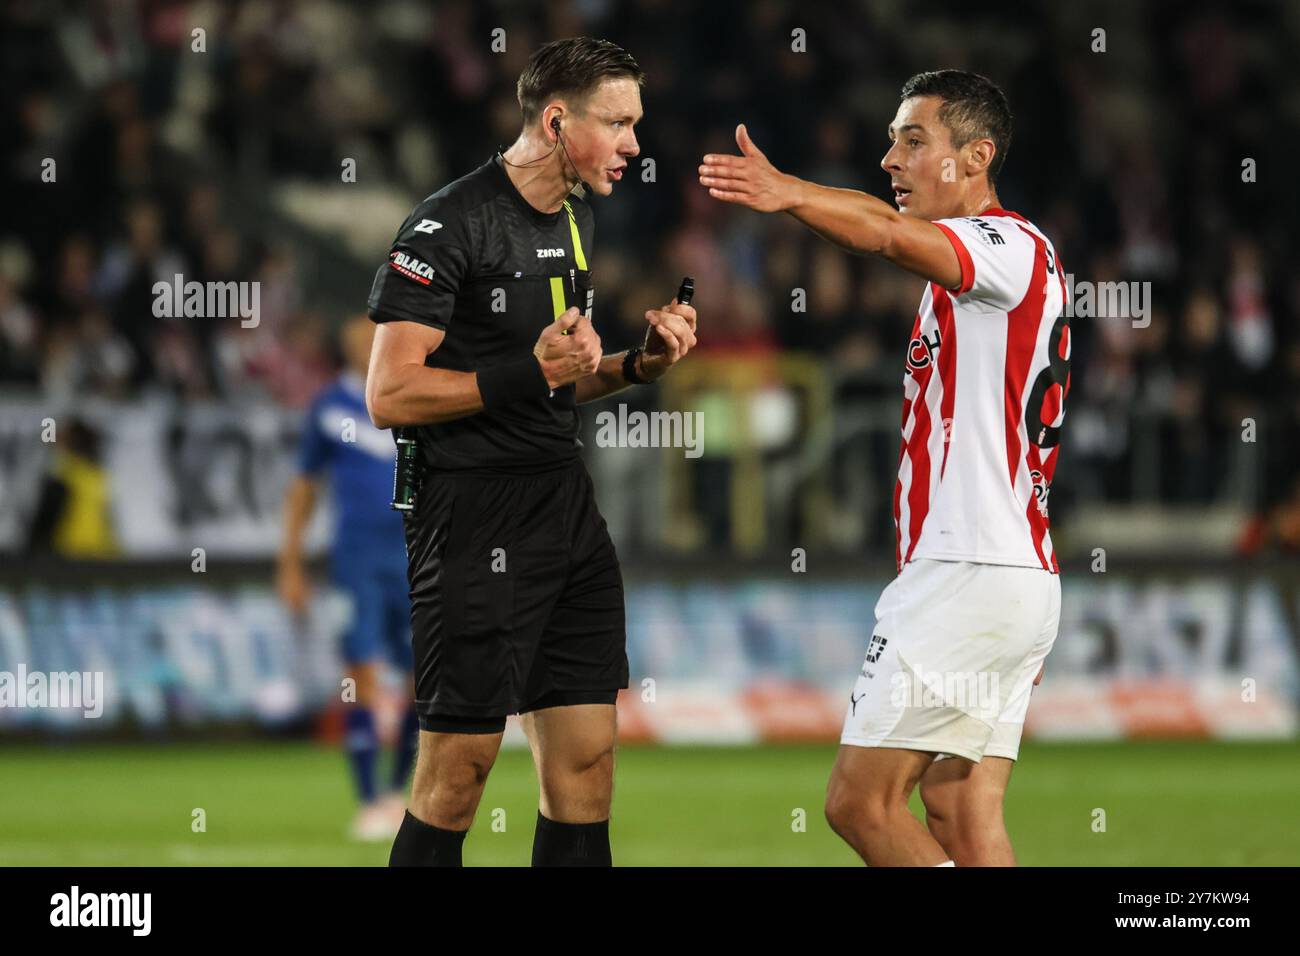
x,y
629,368
512,382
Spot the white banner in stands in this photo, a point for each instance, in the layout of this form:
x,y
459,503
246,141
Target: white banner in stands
x,y
180,477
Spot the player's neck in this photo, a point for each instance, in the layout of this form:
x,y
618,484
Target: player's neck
x,y
545,185
980,201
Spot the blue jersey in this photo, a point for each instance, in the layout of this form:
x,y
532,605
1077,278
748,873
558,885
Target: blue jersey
x,y
339,442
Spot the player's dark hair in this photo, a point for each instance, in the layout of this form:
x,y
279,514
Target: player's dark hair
x,y
974,107
571,68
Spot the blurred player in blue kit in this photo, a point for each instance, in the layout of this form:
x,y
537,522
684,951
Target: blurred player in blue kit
x,y
367,562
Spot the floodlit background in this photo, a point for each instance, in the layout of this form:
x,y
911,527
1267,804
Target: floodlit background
x,y
1151,152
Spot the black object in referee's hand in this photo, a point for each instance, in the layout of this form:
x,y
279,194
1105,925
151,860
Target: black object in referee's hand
x,y
685,291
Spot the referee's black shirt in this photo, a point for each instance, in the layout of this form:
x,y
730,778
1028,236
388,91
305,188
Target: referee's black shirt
x,y
480,263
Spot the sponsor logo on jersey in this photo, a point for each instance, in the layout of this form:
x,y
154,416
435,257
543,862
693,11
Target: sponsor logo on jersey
x,y
550,253
428,225
411,267
1041,490
920,351
989,235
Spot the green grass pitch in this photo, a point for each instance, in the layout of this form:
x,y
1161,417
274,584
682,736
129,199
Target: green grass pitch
x,y
1166,804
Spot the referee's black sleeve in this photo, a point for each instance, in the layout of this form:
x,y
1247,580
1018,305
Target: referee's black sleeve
x,y
426,265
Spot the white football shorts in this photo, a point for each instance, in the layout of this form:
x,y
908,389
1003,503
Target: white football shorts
x,y
952,659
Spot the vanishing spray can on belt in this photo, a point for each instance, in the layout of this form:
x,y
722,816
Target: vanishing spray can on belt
x,y
406,469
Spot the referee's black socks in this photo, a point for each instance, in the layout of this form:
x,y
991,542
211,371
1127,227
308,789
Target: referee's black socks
x,y
422,844
571,844
554,844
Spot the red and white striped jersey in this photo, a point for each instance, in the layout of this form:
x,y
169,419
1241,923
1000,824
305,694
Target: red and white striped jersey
x,y
988,370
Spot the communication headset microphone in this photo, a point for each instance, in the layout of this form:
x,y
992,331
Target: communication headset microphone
x,y
559,141
555,125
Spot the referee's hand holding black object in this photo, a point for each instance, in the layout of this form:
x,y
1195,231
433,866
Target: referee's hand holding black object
x,y
568,349
670,336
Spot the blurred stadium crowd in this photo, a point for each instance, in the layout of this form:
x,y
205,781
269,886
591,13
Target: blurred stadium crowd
x,y
225,165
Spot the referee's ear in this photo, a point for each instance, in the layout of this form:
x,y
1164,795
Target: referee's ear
x,y
553,122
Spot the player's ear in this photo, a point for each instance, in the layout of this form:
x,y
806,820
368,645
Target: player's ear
x,y
980,155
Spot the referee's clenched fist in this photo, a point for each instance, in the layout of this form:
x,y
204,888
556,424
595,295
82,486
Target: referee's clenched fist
x,y
568,349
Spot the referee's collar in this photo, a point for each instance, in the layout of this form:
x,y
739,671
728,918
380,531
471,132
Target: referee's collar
x,y
542,218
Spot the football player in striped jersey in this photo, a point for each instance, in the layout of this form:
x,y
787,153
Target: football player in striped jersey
x,y
962,632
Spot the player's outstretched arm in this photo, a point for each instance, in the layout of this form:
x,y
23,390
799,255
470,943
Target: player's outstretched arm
x,y
852,220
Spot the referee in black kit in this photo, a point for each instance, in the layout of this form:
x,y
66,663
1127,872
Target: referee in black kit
x,y
486,344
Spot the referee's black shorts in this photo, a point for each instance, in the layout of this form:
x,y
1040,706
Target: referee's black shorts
x,y
516,597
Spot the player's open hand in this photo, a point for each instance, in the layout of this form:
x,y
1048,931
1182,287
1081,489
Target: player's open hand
x,y
565,358
670,336
748,179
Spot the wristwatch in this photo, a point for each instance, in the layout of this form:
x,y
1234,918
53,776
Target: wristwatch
x,y
629,367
